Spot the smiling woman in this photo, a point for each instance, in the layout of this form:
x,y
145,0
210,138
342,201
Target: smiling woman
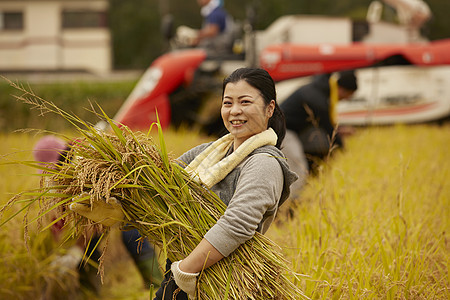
x,y
233,168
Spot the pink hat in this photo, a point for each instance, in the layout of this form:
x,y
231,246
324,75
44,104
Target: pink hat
x,y
49,149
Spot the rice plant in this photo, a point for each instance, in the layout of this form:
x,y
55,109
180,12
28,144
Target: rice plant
x,y
374,224
159,199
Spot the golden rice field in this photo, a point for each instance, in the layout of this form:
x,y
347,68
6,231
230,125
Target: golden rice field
x,y
374,224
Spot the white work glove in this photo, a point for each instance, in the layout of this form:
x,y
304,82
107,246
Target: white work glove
x,y
69,261
108,213
186,36
185,281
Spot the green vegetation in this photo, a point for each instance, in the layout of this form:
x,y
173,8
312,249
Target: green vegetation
x,y
73,97
372,225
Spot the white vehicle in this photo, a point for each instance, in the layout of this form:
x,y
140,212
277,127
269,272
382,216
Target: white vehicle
x,y
399,94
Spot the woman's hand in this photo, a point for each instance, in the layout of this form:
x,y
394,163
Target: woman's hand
x,y
185,281
185,271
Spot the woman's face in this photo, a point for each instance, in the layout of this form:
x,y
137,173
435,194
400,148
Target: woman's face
x,y
244,112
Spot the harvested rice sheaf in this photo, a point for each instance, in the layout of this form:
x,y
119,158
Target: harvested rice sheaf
x,y
173,211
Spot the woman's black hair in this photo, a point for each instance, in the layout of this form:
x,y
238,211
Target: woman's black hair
x,y
262,81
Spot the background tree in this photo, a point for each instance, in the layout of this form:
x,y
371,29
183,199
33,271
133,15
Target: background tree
x,y
135,26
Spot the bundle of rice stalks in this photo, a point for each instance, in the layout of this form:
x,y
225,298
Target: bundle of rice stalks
x,y
163,203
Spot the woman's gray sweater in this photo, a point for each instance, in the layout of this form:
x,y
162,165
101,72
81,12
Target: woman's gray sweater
x,y
253,191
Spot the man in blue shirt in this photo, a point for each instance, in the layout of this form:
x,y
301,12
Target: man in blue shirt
x,y
215,33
